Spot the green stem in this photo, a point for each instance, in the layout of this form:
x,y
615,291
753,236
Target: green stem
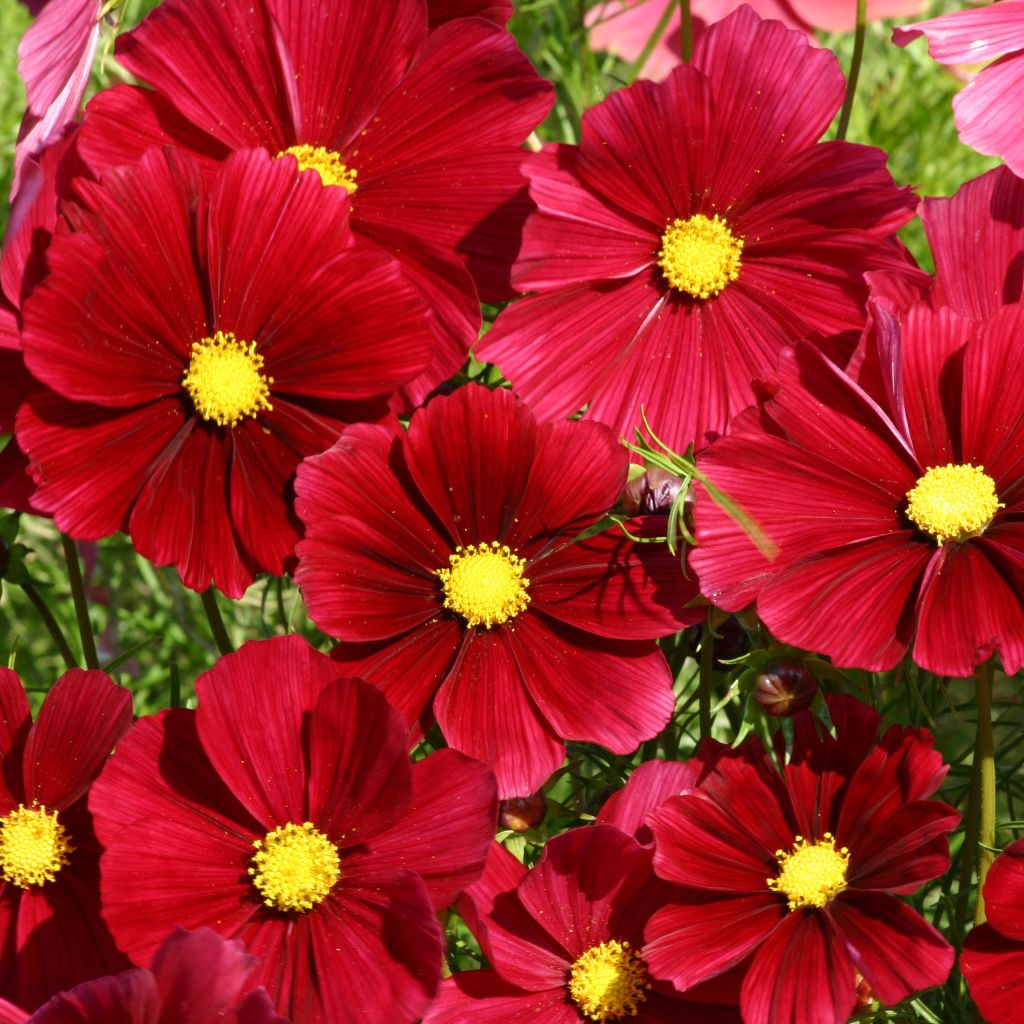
x,y
686,31
51,624
213,616
707,662
969,849
655,37
81,604
858,56
984,753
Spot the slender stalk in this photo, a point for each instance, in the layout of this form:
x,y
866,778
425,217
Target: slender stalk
x,y
659,30
175,685
707,661
855,62
984,754
213,616
51,624
81,604
685,30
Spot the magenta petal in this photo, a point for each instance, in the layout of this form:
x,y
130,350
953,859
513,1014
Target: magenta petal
x,y
482,997
253,734
985,111
1004,891
994,969
649,786
84,716
15,716
968,36
895,949
446,833
127,998
800,975
484,710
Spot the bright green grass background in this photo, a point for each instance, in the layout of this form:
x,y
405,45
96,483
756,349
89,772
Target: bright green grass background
x,y
155,635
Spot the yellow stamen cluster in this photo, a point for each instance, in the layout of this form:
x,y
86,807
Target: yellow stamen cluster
x,y
294,867
812,873
485,584
225,381
953,502
34,846
326,163
700,255
609,982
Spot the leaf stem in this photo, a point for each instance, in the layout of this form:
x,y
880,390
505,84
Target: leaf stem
x,y
81,603
213,616
707,661
655,37
51,624
984,753
855,63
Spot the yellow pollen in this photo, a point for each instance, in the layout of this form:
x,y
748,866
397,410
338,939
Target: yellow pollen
x,y
294,867
485,584
326,163
224,379
609,982
34,846
953,502
700,256
812,872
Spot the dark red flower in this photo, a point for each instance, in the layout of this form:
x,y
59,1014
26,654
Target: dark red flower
x,y
197,978
993,955
51,934
424,129
565,940
440,11
285,812
450,564
200,338
796,870
698,227
887,520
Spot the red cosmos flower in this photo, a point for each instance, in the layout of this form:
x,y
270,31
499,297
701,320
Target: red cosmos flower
x,y
197,978
285,812
900,523
796,870
51,931
565,938
448,562
993,955
696,229
200,339
424,130
986,112
440,11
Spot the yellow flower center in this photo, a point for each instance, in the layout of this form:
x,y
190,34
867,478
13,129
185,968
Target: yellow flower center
x,y
485,584
953,502
326,163
34,846
294,867
812,873
700,256
224,379
609,982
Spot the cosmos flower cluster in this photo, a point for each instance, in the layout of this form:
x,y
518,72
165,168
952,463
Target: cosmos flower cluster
x,y
309,297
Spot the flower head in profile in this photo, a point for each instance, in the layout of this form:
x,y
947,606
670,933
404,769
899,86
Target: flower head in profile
x,y
697,228
900,527
986,111
196,978
793,874
291,818
565,941
352,92
460,567
992,960
197,338
51,931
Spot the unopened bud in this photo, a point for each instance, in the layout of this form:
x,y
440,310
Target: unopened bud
x,y
654,490
521,813
785,687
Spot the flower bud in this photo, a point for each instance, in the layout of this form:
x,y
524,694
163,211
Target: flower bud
x,y
521,813
785,687
652,491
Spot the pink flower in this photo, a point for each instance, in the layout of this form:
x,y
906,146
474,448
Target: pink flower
x,y
987,111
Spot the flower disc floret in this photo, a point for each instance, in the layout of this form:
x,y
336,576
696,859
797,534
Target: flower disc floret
x,y
326,162
485,584
34,846
294,867
812,873
953,502
609,982
700,255
225,379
